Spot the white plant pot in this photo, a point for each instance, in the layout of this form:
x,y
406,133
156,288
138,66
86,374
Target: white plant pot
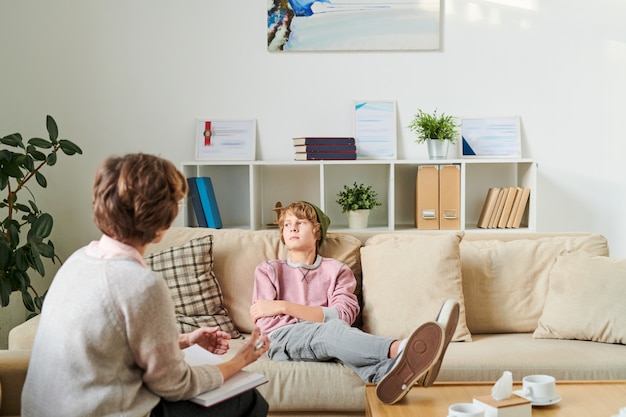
x,y
357,219
438,149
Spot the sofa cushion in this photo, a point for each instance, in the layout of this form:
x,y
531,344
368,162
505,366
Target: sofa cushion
x,y
406,279
585,300
197,296
505,283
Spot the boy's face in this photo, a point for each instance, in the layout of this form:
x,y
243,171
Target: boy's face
x,y
298,233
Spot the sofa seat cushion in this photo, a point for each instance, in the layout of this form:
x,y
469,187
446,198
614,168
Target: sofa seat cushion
x,y
585,300
488,355
307,386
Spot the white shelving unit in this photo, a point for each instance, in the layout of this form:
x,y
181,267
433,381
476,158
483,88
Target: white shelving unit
x,y
247,191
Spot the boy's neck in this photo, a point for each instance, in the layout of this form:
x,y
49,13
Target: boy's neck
x,y
303,257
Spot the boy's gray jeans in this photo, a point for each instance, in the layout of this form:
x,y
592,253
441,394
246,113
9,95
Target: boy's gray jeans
x,y
366,354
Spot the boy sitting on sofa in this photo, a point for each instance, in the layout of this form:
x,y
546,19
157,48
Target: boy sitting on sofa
x,y
306,305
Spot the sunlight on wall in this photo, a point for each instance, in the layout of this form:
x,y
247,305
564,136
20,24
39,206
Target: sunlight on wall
x,y
486,11
520,4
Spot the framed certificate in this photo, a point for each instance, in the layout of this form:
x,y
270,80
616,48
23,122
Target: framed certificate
x,y
226,140
493,137
375,129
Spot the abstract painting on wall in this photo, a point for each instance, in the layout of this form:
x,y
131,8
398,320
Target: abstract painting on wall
x,y
353,25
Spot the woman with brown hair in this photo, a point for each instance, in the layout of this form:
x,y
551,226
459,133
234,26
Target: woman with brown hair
x,y
107,342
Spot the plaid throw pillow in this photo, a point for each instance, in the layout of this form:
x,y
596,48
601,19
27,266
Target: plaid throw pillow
x,y
188,271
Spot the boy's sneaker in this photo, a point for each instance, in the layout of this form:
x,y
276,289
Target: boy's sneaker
x,y
448,318
423,349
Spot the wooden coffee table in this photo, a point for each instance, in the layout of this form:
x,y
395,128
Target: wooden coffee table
x,y
578,398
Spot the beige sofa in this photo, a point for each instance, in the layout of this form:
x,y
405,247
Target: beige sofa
x,y
519,312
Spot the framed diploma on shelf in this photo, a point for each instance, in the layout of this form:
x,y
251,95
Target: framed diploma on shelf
x,y
226,140
375,129
492,137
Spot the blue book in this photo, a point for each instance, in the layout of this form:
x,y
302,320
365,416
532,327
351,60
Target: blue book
x,y
209,203
197,204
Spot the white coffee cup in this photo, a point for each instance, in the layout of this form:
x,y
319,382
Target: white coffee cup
x,y
539,387
465,410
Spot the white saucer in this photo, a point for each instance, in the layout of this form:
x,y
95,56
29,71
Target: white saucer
x,y
553,401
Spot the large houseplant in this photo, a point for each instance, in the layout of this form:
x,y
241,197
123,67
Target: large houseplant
x,y
357,200
438,130
25,228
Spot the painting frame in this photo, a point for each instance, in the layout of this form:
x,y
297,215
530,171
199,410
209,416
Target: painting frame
x,y
357,25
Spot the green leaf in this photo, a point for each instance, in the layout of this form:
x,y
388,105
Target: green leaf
x,y
21,207
69,148
5,291
28,300
28,163
21,260
33,206
14,140
4,255
12,169
41,180
4,181
40,143
45,250
53,130
35,260
35,154
41,228
51,159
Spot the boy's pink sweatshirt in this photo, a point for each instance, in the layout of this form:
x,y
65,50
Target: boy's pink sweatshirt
x,y
327,283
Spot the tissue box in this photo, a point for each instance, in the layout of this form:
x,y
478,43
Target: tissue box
x,y
511,407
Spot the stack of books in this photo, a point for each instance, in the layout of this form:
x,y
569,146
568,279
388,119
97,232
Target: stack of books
x,y
504,207
324,148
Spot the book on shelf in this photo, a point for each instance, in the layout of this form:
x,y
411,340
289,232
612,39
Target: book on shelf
x,y
196,203
518,196
240,382
488,207
509,197
317,156
209,202
495,216
325,148
324,141
521,207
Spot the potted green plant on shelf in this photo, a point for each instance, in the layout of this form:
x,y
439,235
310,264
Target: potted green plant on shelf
x,y
26,228
438,131
357,201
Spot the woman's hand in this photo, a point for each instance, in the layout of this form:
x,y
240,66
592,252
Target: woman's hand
x,y
246,355
210,338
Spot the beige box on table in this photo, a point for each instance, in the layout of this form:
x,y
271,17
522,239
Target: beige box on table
x,y
514,406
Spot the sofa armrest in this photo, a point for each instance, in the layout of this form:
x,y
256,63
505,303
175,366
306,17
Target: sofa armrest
x,y
13,367
21,337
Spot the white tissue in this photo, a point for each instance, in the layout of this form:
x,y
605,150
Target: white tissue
x,y
503,387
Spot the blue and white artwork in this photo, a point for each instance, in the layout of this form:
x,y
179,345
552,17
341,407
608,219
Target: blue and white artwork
x,y
353,25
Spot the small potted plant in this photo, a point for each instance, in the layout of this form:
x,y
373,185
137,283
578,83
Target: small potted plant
x,y
357,201
437,130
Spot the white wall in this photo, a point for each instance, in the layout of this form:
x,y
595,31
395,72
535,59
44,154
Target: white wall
x,y
126,76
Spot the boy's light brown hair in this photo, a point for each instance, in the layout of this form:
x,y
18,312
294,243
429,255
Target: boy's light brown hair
x,y
301,210
136,196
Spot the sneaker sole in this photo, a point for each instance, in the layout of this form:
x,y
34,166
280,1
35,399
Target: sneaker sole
x,y
422,349
450,312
